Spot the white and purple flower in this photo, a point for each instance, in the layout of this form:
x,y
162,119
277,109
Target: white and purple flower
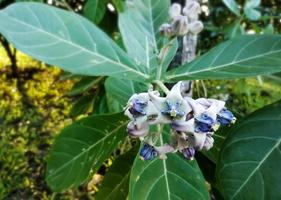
x,y
192,122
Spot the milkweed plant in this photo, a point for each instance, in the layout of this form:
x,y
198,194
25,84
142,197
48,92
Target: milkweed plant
x,y
148,83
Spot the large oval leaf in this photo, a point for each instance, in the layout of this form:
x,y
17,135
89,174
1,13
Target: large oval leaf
x,y
171,179
82,146
65,39
244,56
249,165
139,25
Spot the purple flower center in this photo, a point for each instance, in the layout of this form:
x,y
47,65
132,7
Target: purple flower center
x,y
225,117
137,107
204,123
173,110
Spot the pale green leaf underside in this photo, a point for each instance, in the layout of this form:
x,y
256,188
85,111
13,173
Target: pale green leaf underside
x,y
67,40
244,56
249,166
139,25
83,146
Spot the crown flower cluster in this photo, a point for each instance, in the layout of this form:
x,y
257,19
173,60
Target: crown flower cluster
x,y
192,122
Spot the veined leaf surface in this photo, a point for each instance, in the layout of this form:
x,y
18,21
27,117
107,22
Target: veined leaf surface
x,y
243,56
83,146
139,25
67,40
250,160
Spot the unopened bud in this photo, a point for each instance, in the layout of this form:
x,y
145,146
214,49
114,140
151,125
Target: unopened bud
x,y
188,153
209,142
192,9
180,25
195,27
166,30
175,10
148,152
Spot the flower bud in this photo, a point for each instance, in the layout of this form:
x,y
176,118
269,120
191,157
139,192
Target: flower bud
x,y
148,152
192,9
197,140
225,117
188,153
209,142
166,30
195,27
180,25
175,10
137,107
135,131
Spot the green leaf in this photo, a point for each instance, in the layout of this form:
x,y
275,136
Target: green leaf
x,y
83,105
249,165
244,56
85,84
139,25
94,10
250,9
119,91
234,29
83,146
115,185
166,56
119,5
100,103
67,40
173,178
252,4
232,5
252,14
269,29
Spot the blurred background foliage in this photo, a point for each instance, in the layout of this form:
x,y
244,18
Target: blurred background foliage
x,y
36,100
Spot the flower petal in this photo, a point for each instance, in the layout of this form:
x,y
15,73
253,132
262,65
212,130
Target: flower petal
x,y
135,131
148,152
186,126
188,153
197,140
209,142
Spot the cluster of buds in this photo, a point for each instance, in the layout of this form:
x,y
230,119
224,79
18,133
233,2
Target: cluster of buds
x,y
192,122
183,20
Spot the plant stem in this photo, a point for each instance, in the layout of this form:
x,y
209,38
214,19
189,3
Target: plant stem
x,y
162,86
